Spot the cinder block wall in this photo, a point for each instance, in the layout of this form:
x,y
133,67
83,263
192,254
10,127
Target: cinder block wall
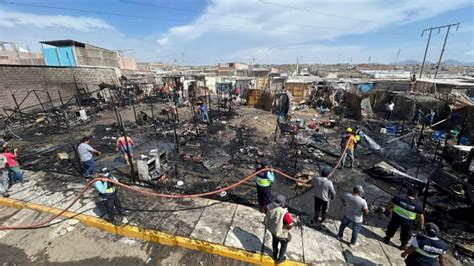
x,y
18,80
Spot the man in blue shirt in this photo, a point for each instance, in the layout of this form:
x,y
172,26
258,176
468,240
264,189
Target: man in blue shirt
x,y
108,193
203,111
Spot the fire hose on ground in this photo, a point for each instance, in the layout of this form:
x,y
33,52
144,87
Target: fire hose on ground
x,y
159,195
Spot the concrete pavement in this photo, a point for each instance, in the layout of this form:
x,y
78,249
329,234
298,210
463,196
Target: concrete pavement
x,y
228,224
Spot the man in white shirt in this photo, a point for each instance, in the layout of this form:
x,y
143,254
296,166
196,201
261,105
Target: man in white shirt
x,y
389,107
87,158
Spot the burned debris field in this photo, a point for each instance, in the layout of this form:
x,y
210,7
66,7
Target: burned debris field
x,y
176,152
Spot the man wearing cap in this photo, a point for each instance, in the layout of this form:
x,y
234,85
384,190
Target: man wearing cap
x,y
348,145
324,191
264,182
279,222
405,211
108,193
426,249
355,208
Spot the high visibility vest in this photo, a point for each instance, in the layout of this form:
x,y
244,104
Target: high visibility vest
x,y
110,187
399,209
263,182
430,247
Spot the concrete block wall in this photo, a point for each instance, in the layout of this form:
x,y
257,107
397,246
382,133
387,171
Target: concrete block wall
x,y
19,80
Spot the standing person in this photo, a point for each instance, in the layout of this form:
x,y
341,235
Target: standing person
x,y
203,111
125,145
355,208
348,143
430,117
4,179
389,107
14,172
108,193
324,192
418,115
426,249
264,186
279,222
86,155
405,211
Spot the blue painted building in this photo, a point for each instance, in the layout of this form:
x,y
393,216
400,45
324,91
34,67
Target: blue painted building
x,y
73,53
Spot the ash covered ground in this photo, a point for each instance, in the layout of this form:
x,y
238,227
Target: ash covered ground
x,y
218,154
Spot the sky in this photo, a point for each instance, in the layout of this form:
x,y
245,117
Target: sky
x,y
250,31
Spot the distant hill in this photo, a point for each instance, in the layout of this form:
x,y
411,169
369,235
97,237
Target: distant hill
x,y
447,62
458,63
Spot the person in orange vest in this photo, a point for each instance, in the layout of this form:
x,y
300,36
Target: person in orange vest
x,y
348,141
126,147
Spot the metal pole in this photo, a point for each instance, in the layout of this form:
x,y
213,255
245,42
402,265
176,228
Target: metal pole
x,y
18,107
426,51
129,155
194,115
68,127
39,100
50,100
153,117
134,111
442,51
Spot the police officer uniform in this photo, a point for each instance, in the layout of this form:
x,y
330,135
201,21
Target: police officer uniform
x,y
264,187
426,249
405,212
109,195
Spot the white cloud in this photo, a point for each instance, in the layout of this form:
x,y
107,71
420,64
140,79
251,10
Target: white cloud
x,y
251,24
471,53
14,19
255,30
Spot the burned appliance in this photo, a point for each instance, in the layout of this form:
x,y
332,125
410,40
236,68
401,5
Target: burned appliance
x,y
153,166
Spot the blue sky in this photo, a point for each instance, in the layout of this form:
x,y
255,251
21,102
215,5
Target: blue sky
x,y
263,31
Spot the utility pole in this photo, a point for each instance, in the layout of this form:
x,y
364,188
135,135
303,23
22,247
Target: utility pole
x,y
297,65
444,45
428,44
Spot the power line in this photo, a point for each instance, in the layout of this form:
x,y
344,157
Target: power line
x,y
314,11
444,44
133,16
221,15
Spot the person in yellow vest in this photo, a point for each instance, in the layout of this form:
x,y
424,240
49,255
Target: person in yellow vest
x,y
350,141
279,222
264,183
108,193
405,211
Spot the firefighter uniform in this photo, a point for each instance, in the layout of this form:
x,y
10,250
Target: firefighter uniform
x,y
405,212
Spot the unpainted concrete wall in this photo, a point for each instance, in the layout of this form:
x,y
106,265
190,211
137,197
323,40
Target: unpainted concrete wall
x,y
19,80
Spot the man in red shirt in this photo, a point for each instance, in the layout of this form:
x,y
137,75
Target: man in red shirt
x,y
15,174
279,222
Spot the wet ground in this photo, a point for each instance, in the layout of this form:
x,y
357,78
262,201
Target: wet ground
x,y
81,245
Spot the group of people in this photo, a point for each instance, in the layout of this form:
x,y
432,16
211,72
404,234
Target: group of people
x,y
10,173
107,190
417,118
425,249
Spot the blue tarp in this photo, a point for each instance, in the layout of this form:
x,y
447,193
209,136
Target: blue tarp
x,y
366,87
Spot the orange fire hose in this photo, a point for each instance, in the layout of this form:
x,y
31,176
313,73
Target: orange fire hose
x,y
154,194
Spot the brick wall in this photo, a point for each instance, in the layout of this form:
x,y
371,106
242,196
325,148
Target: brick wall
x,y
19,80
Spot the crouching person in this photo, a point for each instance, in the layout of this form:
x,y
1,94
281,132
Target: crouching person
x,y
279,222
108,193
